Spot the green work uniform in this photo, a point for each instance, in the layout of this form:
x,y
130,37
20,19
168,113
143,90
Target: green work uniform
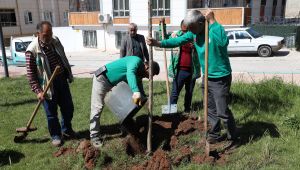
x,y
126,69
218,60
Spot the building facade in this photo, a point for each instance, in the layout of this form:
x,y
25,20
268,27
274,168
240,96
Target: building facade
x,y
89,32
19,17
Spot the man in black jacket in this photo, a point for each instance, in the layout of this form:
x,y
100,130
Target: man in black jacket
x,y
134,44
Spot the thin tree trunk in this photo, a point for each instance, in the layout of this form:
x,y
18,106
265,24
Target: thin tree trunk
x,y
150,106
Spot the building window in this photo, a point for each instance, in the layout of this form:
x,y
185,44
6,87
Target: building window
x,y
84,5
28,17
89,39
66,16
160,7
195,4
8,17
48,16
118,37
121,8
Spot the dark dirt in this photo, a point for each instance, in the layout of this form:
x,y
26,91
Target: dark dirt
x,y
185,155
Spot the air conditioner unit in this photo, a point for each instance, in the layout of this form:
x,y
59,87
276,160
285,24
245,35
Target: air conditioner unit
x,y
104,18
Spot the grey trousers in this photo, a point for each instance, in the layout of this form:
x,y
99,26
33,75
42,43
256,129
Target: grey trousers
x,y
218,100
101,87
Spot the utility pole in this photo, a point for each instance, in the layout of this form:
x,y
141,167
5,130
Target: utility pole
x,y
3,52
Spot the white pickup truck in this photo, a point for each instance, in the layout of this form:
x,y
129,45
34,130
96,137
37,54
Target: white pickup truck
x,y
15,54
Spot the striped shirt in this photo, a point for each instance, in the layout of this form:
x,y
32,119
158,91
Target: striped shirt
x,y
53,59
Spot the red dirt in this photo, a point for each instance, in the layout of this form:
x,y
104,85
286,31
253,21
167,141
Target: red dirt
x,y
90,153
173,142
64,151
158,161
185,155
133,145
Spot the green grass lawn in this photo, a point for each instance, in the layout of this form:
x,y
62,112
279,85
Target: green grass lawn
x,y
267,115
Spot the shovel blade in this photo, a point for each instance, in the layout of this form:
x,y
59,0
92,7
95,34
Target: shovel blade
x,y
169,109
25,129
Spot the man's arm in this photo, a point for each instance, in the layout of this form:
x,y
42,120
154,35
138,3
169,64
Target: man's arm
x,y
132,79
219,36
123,48
31,68
173,42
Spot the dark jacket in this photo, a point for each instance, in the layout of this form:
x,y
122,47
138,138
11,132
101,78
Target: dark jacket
x,y
127,50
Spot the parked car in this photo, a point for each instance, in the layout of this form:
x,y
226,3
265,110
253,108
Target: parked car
x,y
16,53
247,40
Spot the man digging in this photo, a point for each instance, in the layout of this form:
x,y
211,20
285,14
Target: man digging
x,y
130,69
219,71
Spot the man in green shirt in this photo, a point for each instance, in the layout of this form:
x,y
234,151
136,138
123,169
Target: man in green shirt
x,y
219,69
130,69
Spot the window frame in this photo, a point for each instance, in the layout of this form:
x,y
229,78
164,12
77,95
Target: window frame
x,y
163,9
89,35
122,33
66,16
8,17
187,5
50,16
27,18
126,12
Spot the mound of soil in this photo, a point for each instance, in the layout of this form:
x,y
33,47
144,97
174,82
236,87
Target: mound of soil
x,y
159,161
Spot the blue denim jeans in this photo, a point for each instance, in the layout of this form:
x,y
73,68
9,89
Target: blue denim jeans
x,y
61,97
183,78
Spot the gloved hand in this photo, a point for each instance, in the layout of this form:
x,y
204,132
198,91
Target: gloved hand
x,y
137,98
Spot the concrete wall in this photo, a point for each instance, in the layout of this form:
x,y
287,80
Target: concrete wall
x,y
292,8
71,39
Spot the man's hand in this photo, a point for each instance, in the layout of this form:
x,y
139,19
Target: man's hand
x,y
152,42
40,96
210,16
137,98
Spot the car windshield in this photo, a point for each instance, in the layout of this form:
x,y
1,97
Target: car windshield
x,y
21,46
253,33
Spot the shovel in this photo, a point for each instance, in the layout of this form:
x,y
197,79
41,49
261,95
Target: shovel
x,y
207,147
24,130
169,108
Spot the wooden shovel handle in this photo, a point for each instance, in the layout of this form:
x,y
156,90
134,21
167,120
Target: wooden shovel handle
x,y
166,65
206,77
54,74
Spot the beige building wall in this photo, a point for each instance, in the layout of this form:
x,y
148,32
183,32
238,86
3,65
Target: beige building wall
x,y
37,9
292,9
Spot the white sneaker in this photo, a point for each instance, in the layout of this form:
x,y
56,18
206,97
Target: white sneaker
x,y
56,142
97,142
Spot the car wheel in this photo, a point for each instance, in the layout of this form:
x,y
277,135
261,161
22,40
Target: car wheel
x,y
264,51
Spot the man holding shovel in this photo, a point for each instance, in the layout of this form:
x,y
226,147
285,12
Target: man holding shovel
x,y
184,68
42,56
130,69
219,70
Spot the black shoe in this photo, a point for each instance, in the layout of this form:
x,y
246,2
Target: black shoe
x,y
69,135
231,144
212,140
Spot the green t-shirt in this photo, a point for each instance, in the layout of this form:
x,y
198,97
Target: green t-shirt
x,y
218,60
126,69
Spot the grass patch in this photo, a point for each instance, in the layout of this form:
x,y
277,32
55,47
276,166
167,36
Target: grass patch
x,y
267,115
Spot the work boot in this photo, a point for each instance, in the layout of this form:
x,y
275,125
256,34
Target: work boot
x,y
231,144
56,142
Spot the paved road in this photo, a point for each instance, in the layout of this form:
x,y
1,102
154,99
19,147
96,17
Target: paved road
x,y
249,68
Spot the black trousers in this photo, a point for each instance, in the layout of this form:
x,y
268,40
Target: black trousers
x,y
218,100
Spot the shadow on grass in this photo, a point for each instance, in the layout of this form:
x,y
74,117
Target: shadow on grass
x,y
17,103
254,130
37,140
197,105
8,157
108,131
